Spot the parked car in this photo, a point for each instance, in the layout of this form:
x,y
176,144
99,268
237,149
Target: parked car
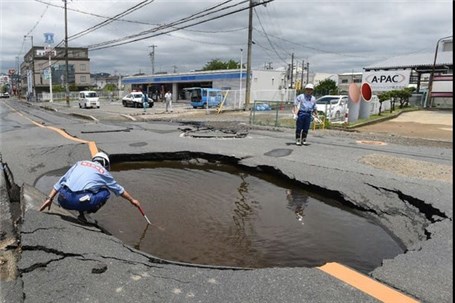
x,y
134,99
4,95
88,98
334,107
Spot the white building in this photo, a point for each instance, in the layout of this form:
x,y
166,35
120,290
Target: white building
x,y
265,84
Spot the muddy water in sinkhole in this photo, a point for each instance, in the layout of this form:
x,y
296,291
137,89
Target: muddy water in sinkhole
x,y
217,214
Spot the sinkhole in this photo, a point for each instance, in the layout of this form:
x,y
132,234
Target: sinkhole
x,y
217,214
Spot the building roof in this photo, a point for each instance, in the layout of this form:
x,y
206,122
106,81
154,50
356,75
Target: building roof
x,y
415,61
185,77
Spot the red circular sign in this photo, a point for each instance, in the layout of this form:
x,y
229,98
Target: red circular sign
x,y
366,91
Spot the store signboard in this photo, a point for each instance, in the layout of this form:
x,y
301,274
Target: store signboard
x,y
381,81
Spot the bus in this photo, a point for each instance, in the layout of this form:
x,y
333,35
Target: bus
x,y
205,97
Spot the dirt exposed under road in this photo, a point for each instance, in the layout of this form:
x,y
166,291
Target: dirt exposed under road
x,y
431,125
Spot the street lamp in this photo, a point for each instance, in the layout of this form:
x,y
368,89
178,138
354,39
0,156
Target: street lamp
x,y
430,85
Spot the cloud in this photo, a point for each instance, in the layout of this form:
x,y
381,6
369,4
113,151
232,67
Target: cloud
x,y
332,36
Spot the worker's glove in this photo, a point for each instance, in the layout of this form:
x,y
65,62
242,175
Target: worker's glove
x,y
295,116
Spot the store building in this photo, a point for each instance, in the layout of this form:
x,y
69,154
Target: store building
x,y
265,84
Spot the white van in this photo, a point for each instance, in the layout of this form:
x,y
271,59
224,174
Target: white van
x,y
88,98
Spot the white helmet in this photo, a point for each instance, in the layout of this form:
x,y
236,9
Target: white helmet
x,y
309,86
103,159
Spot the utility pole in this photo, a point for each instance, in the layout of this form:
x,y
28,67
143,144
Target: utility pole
x,y
152,57
301,75
33,68
248,63
292,70
307,72
240,78
67,90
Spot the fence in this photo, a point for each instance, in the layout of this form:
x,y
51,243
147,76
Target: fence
x,y
277,114
61,96
235,99
272,113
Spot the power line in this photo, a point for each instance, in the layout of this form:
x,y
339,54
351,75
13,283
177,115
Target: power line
x,y
268,39
37,22
165,26
95,15
33,28
112,19
158,28
168,28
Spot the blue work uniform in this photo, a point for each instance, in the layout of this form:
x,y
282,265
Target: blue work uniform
x,y
86,186
306,105
145,101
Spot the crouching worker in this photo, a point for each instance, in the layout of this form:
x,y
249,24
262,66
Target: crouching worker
x,y
86,187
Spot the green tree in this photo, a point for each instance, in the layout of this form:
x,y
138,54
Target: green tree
x,y
383,97
404,96
217,64
110,87
73,87
326,87
58,88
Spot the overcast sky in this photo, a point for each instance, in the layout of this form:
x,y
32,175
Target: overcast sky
x,y
333,36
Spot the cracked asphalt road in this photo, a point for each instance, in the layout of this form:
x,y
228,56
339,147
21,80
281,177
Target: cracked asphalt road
x,y
64,261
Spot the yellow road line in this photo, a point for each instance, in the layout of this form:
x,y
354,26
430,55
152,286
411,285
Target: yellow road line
x,y
366,284
91,144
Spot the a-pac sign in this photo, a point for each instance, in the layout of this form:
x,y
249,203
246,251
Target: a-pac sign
x,y
381,81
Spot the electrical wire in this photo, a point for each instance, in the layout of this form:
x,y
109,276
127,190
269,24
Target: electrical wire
x,y
31,30
173,26
267,37
112,19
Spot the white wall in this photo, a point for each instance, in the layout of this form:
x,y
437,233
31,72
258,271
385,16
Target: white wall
x,y
266,80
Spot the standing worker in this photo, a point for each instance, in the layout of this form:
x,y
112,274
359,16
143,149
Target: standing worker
x,y
168,98
304,107
86,187
145,101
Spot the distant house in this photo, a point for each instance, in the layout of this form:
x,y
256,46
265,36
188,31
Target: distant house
x,y
345,79
100,80
35,69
